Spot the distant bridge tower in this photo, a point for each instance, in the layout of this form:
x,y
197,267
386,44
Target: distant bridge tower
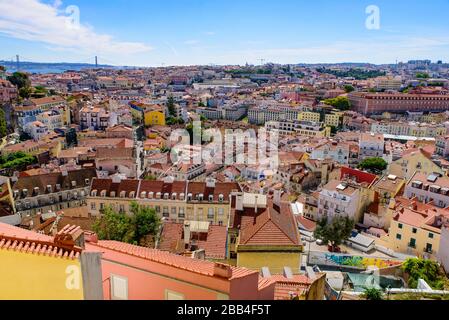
x,y
18,62
96,62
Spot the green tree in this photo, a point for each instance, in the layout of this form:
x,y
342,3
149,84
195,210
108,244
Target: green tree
x,y
373,294
134,228
3,125
20,79
334,232
427,270
341,103
348,88
146,221
422,75
25,92
171,106
114,226
373,164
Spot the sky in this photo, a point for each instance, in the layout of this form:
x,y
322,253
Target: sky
x,y
193,32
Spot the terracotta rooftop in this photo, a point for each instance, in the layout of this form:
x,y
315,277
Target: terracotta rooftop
x,y
272,227
197,266
21,240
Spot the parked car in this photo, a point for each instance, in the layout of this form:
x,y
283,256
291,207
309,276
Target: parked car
x,y
319,242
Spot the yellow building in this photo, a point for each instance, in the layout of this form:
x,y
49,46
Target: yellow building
x,y
333,119
39,267
154,116
414,230
271,241
177,200
309,116
418,160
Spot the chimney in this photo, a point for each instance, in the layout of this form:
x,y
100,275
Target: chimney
x,y
288,273
210,182
256,198
277,198
187,232
239,202
222,270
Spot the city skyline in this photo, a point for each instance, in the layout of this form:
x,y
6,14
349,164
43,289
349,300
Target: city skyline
x,y
221,32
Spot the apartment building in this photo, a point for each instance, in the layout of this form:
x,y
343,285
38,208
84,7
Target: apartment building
x,y
433,188
337,151
302,128
442,146
36,130
309,116
53,119
94,118
259,115
377,103
177,201
53,191
337,198
417,230
371,146
410,162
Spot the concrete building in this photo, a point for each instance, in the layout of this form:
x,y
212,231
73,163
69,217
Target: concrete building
x,y
371,146
433,188
377,103
51,191
339,199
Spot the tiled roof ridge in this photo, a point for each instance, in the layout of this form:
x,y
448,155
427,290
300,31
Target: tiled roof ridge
x,y
282,229
38,247
256,227
146,257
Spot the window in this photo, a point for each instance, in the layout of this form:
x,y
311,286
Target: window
x,y
415,230
122,208
400,226
220,211
119,288
93,206
173,211
431,235
171,295
158,209
398,236
101,206
210,213
412,243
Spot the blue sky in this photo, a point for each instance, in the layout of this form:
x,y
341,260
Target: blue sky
x,y
186,32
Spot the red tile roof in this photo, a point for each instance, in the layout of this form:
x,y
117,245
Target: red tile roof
x,y
21,240
272,227
202,267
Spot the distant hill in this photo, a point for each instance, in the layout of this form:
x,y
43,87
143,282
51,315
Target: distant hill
x,y
41,67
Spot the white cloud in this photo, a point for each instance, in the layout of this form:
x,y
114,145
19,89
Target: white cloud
x,y
33,20
209,33
382,50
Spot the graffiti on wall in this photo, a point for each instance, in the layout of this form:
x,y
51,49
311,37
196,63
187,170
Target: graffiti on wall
x,y
323,258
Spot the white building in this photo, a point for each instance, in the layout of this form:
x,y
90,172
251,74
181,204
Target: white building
x,y
433,188
371,146
338,199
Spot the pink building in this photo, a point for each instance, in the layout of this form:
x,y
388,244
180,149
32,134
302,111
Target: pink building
x,y
137,273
